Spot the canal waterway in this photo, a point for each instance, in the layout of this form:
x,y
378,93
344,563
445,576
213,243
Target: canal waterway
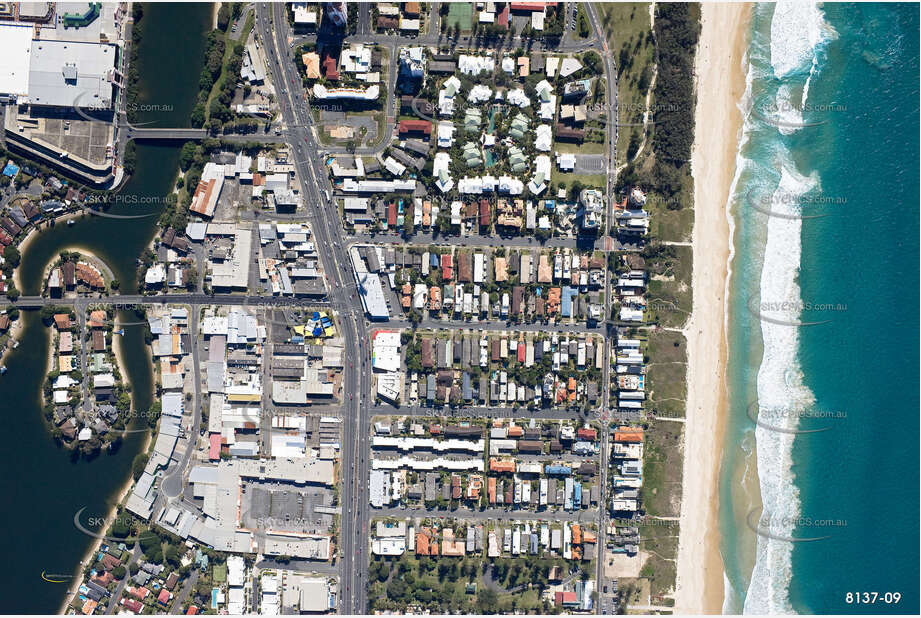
x,y
43,484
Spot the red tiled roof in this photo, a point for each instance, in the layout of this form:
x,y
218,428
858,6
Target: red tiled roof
x,y
412,126
502,17
628,434
132,605
330,67
565,597
391,214
447,267
531,6
484,213
214,450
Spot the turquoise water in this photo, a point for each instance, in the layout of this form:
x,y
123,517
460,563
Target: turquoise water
x,y
852,155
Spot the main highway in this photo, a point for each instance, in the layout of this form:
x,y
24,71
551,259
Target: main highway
x,y
272,29
610,74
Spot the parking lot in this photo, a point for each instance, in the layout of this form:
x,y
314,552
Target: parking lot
x,y
283,506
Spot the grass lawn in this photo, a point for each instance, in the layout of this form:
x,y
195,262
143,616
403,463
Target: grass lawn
x,y
439,584
587,180
229,44
662,469
670,298
672,217
628,28
583,148
661,543
666,372
672,225
460,13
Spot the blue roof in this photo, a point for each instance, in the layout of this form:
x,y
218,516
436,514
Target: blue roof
x,y
566,301
10,170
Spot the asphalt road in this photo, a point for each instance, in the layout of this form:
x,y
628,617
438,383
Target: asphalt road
x,y
174,480
474,411
129,301
272,28
584,515
610,73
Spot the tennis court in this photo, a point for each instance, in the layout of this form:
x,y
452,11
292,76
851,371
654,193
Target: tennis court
x,y
460,13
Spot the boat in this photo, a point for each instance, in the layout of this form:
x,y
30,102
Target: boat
x,y
2,369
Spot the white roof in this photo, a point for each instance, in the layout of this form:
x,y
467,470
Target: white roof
x,y
441,164
15,47
544,138
569,66
518,97
322,92
474,65
510,185
537,20
479,93
65,73
446,134
387,351
566,161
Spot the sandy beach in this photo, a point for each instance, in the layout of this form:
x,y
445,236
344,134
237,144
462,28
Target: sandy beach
x,y
86,256
97,544
722,46
34,231
123,491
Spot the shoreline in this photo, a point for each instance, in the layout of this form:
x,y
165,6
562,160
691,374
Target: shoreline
x,y
718,123
13,334
34,231
108,276
94,547
122,493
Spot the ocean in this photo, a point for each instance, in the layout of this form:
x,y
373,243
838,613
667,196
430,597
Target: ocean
x,y
819,483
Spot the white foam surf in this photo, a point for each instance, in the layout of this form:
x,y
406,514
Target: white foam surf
x,y
780,387
798,32
797,29
731,601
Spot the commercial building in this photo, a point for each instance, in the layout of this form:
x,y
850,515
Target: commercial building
x,y
68,73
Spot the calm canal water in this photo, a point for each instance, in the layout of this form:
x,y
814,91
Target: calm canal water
x,y
43,486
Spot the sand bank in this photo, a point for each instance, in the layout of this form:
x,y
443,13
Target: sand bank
x,y
720,85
